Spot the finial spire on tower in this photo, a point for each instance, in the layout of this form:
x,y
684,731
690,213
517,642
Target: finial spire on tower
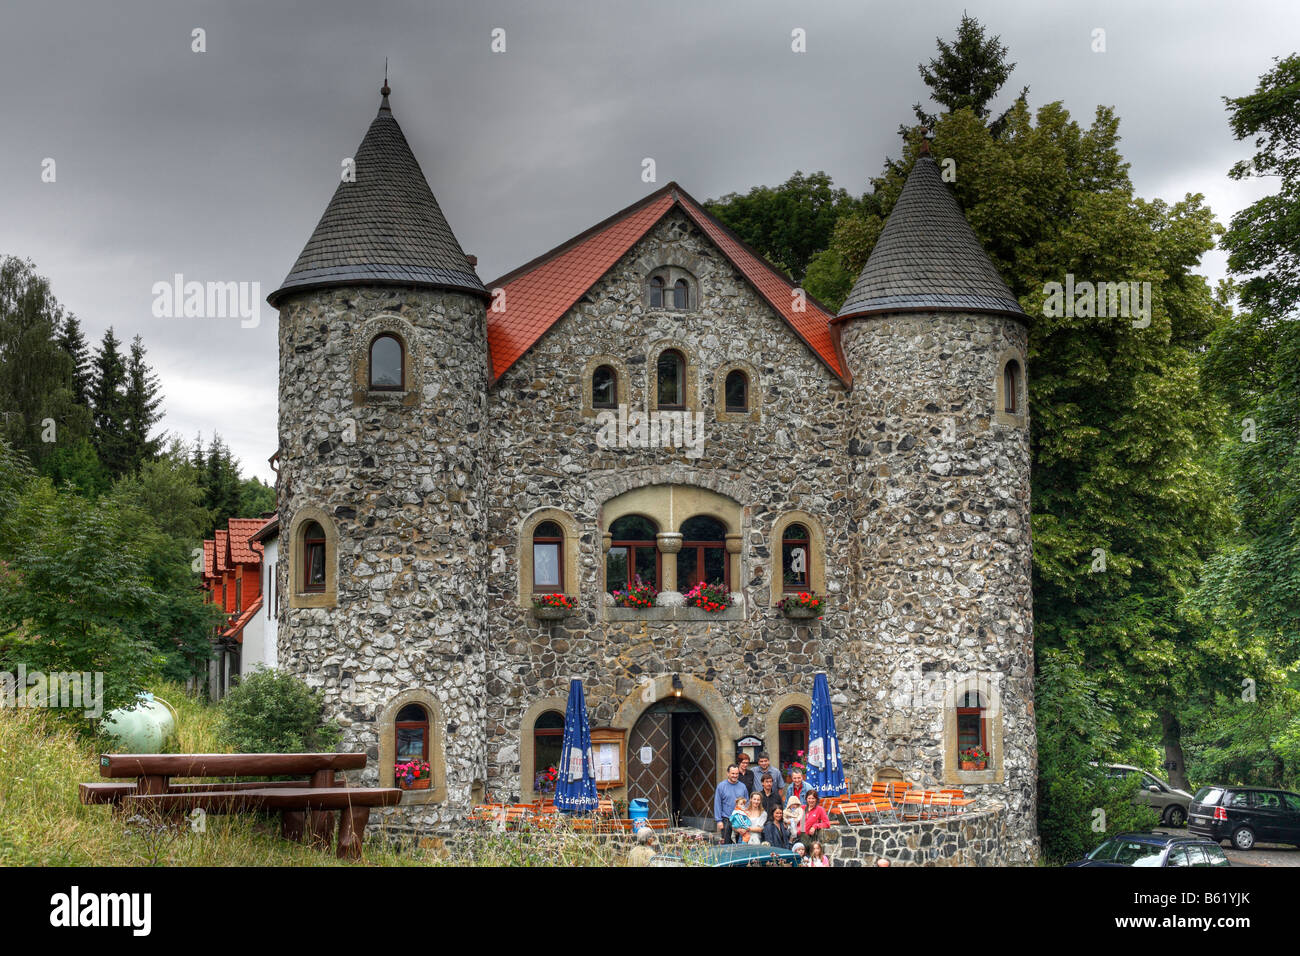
x,y
385,90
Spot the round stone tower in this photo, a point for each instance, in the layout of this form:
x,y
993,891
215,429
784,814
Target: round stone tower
x,y
383,385
938,460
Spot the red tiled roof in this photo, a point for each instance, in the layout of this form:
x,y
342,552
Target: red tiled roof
x,y
236,629
209,547
538,294
223,548
241,529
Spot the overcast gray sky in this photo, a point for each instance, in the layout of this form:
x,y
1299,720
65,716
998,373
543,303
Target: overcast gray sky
x,y
217,165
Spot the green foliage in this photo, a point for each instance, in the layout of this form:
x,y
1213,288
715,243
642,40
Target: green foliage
x,y
108,403
140,408
256,498
221,484
1077,727
790,223
73,596
273,712
968,72
1251,742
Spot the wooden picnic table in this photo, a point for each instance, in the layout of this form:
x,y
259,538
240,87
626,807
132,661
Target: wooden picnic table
x,y
305,806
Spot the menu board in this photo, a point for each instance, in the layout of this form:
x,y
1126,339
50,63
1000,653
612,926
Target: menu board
x,y
607,747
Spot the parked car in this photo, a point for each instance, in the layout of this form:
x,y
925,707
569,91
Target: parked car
x,y
1246,815
1171,803
732,854
1155,849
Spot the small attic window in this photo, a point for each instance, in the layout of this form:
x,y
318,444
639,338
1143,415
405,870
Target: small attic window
x,y
671,288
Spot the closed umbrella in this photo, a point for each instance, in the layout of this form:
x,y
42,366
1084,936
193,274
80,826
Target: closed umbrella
x,y
575,791
825,772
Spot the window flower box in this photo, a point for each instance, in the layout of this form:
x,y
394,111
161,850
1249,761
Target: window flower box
x,y
802,606
412,775
708,597
553,607
974,758
639,595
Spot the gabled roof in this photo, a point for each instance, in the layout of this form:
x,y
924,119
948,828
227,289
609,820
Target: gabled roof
x,y
928,258
268,531
386,228
236,628
223,550
538,294
241,550
208,548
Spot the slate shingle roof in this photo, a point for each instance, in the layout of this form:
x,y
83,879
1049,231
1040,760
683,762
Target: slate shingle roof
x,y
928,257
384,229
539,293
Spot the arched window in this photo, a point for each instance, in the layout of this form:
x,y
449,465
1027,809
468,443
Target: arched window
x,y
681,294
633,553
656,292
1011,387
796,558
412,733
548,744
703,557
313,557
387,369
972,726
548,557
737,391
792,731
671,378
604,388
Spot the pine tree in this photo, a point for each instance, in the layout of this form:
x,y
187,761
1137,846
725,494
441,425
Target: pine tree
x,y
108,404
73,342
140,408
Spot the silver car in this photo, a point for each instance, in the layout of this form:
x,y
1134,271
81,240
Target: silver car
x,y
1172,804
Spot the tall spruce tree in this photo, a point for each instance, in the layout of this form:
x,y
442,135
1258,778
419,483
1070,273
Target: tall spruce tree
x,y
140,405
108,403
73,342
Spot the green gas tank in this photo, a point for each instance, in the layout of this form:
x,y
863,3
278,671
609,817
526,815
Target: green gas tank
x,y
144,728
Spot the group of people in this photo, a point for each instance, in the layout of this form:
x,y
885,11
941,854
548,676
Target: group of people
x,y
756,805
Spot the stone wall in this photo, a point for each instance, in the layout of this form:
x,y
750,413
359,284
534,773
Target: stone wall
x,y
979,838
401,480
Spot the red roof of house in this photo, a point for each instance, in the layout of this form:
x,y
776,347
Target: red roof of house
x,y
236,629
241,550
209,546
538,294
223,549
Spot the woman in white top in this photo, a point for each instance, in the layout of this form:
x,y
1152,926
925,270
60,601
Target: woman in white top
x,y
757,818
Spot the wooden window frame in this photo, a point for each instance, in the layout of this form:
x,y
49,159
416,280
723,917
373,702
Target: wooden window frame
x,y
977,712
559,555
657,285
684,304
632,544
401,364
307,545
726,402
545,732
400,725
699,547
1011,387
660,404
806,543
804,726
613,373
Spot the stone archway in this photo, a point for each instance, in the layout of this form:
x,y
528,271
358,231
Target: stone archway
x,y
672,761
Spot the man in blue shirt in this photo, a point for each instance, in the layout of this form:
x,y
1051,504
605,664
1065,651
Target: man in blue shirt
x,y
724,801
764,766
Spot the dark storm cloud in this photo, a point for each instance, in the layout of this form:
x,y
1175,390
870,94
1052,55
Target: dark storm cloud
x,y
216,165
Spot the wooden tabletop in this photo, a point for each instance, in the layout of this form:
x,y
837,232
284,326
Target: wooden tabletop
x,y
224,765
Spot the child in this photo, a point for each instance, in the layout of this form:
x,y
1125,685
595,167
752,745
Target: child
x,y
818,856
740,822
799,852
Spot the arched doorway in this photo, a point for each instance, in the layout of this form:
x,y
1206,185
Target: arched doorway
x,y
681,773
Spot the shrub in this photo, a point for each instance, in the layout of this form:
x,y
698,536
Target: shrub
x,y
271,712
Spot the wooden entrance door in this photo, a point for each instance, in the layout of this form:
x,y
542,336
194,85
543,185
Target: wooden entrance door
x,y
651,781
680,778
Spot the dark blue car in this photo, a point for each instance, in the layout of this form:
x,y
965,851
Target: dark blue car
x,y
1155,849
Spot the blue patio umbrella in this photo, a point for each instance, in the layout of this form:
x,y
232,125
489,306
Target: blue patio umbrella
x,y
825,771
575,791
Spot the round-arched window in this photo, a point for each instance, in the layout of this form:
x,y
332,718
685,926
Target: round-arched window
x,y
633,553
671,379
548,745
703,558
1011,387
736,391
412,729
387,371
681,294
604,387
656,292
313,557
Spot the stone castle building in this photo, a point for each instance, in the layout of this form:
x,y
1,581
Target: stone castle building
x,y
652,398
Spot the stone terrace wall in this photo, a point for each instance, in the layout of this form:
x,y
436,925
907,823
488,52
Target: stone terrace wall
x,y
978,838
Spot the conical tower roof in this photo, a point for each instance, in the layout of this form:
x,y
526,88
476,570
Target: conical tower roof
x,y
386,228
928,258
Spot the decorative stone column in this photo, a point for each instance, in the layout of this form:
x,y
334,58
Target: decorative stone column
x,y
670,543
733,556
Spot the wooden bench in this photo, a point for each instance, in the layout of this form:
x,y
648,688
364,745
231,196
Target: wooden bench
x,y
305,806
